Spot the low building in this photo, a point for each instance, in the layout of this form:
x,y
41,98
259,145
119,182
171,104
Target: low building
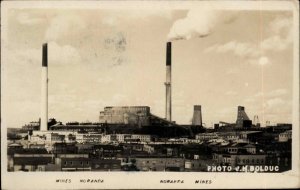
x,y
37,146
282,127
238,154
15,146
197,165
195,151
33,125
52,138
125,138
49,137
85,148
285,136
88,164
60,132
69,162
106,165
37,139
73,127
159,164
140,138
105,139
239,159
229,136
206,136
149,149
107,151
132,146
248,135
88,138
233,148
64,148
76,164
31,162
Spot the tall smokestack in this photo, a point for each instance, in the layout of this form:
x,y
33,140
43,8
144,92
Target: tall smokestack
x,y
197,116
168,82
44,92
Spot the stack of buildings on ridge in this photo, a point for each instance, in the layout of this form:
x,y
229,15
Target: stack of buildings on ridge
x,y
132,139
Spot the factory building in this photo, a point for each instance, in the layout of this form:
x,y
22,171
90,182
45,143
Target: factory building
x,y
242,118
134,115
197,116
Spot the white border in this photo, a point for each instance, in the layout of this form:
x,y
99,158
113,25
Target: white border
x,y
150,180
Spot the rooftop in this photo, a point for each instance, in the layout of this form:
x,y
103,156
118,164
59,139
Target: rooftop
x,y
32,160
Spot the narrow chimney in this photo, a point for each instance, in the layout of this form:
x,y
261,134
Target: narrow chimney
x,y
44,90
168,82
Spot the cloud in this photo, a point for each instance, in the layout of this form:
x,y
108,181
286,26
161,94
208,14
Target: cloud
x,y
278,106
68,24
278,92
231,93
32,57
275,102
110,21
272,97
237,48
274,43
273,93
263,60
272,103
65,54
275,106
26,19
249,51
280,30
281,25
198,23
65,25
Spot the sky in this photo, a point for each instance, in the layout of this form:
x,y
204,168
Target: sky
x,y
97,58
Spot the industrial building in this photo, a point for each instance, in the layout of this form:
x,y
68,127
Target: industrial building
x,y
122,119
131,138
242,118
197,116
134,115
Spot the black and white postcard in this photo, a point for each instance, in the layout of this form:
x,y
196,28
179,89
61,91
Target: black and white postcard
x,y
149,94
